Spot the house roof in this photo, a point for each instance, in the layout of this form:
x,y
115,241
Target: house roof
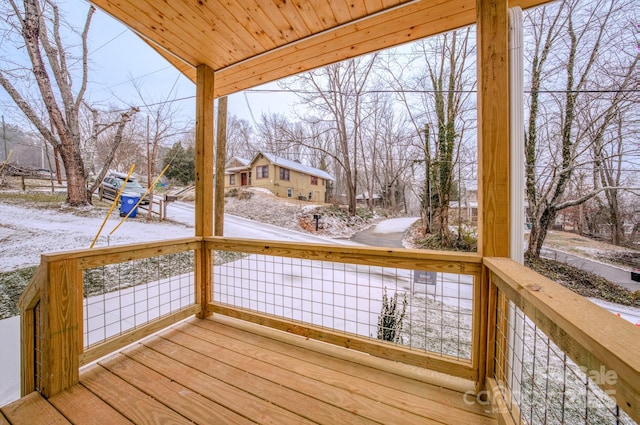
x,y
239,164
251,42
294,165
242,161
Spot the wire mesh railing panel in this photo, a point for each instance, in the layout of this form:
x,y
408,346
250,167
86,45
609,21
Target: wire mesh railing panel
x,y
421,310
540,384
124,296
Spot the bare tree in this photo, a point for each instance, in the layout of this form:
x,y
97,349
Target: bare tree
x,y
569,50
335,94
388,151
38,23
91,146
239,138
439,100
159,130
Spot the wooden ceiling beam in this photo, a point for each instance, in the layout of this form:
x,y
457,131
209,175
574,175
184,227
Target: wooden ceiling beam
x,y
188,40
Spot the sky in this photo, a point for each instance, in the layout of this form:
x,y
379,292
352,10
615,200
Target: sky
x,y
118,58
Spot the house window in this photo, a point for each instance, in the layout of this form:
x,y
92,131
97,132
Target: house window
x,y
232,179
314,180
262,172
284,174
290,192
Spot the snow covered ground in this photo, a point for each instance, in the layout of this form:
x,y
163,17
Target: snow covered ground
x,y
28,232
25,233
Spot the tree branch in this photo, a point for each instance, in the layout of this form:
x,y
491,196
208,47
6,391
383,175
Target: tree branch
x,y
29,112
588,196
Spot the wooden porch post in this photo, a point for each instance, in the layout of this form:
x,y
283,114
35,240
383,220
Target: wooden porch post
x,y
61,342
204,182
493,162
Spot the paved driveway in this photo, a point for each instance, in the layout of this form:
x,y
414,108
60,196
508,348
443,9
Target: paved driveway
x,y
388,233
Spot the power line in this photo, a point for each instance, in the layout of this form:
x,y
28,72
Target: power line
x,y
275,91
107,42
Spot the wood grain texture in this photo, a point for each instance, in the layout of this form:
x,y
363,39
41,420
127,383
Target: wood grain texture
x,y
590,335
28,334
182,400
177,361
60,316
493,128
119,254
412,259
80,405
258,41
309,369
130,402
31,294
294,391
443,364
499,404
204,191
33,409
223,370
204,151
134,335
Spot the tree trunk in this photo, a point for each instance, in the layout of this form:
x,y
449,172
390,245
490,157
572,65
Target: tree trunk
x,y
64,132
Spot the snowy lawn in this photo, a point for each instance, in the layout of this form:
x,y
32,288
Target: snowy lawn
x,y
348,298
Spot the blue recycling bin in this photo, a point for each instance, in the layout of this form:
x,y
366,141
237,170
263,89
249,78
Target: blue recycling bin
x,y
128,203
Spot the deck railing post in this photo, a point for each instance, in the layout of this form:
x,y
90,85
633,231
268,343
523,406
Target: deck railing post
x,y
484,325
28,334
204,278
61,332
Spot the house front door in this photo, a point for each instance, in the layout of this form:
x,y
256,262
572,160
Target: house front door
x,y
243,179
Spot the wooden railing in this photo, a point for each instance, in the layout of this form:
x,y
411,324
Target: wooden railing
x,y
55,297
603,347
468,264
586,333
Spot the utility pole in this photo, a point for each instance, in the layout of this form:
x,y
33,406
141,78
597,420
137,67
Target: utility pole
x,y
220,159
149,177
4,137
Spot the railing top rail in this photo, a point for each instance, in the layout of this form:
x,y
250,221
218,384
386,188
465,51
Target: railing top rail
x,y
590,335
159,246
29,296
453,262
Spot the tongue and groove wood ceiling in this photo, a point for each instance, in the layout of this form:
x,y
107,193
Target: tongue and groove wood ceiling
x,y
251,42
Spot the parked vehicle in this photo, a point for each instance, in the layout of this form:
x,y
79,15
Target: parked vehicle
x,y
112,183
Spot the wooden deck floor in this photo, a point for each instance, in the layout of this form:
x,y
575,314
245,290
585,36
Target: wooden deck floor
x,y
222,371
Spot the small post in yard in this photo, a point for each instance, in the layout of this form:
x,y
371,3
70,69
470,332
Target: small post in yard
x,y
316,217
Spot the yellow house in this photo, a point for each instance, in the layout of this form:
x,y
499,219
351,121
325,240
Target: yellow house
x,y
245,331
284,177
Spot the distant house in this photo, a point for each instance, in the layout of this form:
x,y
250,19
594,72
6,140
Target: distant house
x,y
283,177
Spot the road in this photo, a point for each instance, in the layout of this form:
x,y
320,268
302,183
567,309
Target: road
x,y
388,233
611,273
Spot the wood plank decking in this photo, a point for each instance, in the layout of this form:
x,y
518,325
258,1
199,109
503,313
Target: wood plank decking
x,y
224,371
